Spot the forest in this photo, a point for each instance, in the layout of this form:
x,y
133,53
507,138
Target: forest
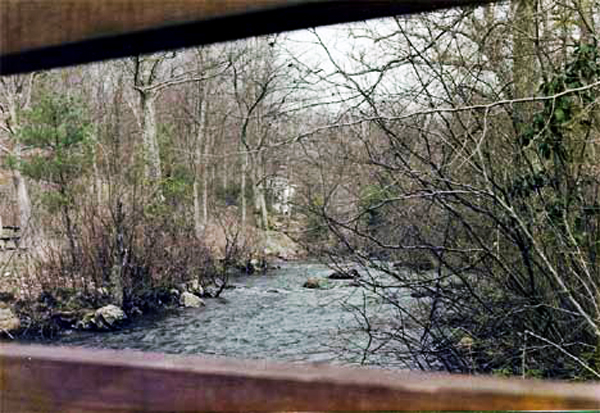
x,y
450,156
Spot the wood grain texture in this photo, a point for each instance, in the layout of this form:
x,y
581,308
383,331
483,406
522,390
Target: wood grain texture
x,y
41,34
31,24
44,379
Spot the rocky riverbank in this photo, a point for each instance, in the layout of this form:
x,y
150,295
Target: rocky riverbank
x,y
49,313
266,315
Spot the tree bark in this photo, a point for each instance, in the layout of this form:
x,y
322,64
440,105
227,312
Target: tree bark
x,y
197,219
23,200
152,165
524,77
24,203
243,187
200,220
205,166
96,171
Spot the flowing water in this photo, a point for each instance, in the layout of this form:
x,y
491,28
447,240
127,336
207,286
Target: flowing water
x,y
269,316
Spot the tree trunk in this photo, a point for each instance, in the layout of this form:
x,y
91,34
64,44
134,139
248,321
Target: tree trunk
x,y
23,200
200,222
586,20
259,193
205,189
97,179
152,167
205,166
119,260
243,189
197,220
225,178
524,73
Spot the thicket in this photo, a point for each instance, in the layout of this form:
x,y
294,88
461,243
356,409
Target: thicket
x,y
119,243
499,248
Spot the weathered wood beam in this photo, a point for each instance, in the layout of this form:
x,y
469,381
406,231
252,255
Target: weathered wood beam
x,y
42,34
41,378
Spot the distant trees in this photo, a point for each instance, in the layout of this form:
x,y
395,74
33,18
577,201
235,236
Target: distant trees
x,y
128,161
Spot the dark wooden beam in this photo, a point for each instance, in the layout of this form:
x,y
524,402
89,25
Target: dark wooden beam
x,y
44,379
43,34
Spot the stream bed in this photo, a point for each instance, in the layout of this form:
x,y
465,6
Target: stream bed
x,y
266,316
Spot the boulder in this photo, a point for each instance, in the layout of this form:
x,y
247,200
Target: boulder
x,y
195,288
312,283
190,300
8,320
109,317
279,245
344,275
210,292
87,321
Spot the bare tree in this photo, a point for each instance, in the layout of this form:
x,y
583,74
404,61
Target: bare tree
x,y
477,188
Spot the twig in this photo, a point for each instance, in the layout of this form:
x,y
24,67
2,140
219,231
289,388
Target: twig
x,y
562,350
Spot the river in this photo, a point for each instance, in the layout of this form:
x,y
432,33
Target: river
x,y
266,316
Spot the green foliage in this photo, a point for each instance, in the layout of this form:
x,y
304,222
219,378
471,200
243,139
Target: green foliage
x,y
372,200
176,187
316,224
556,137
178,179
54,201
566,112
56,134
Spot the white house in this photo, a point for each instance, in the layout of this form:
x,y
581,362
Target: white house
x,y
283,193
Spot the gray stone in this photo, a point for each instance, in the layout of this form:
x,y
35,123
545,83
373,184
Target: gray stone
x,y
194,287
345,275
312,283
8,320
109,317
190,300
87,322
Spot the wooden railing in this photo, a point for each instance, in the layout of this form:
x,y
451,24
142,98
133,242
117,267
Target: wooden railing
x,y
54,379
43,34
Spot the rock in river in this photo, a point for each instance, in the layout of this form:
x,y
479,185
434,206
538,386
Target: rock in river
x,y
345,275
190,300
312,283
